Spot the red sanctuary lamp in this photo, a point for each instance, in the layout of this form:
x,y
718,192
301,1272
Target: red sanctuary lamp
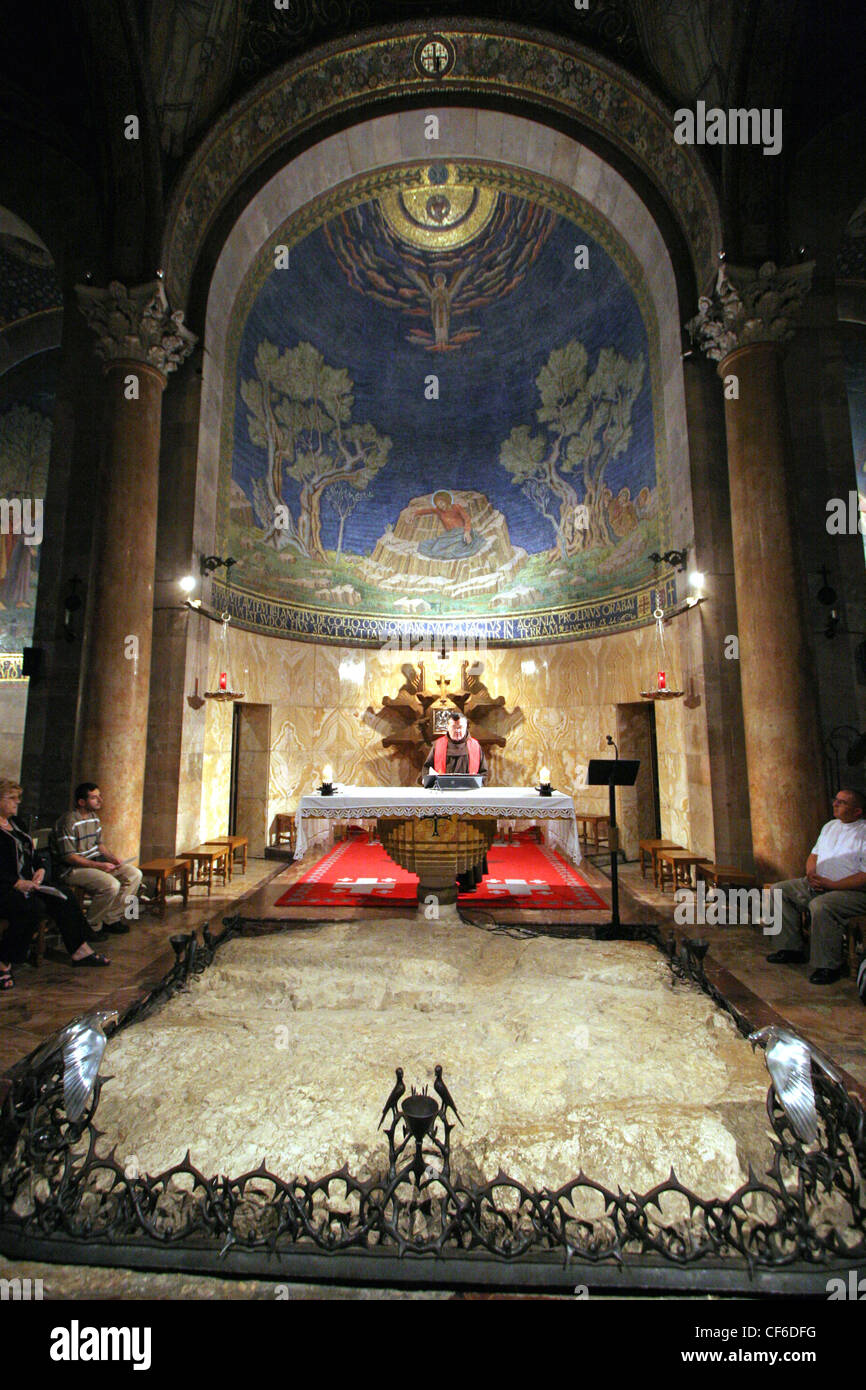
x,y
224,691
661,690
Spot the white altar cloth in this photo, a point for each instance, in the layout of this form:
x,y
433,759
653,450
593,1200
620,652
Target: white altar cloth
x,y
503,803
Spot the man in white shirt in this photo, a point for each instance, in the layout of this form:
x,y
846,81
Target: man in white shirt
x,y
833,890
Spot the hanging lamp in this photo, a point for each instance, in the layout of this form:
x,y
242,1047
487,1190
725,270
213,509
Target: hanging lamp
x,y
661,690
224,692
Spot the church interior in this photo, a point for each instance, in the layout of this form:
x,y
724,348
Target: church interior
x,y
432,458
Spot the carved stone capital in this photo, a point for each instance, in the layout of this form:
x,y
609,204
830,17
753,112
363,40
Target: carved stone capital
x,y
750,306
136,325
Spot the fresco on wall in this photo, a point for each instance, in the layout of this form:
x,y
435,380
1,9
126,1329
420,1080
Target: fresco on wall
x,y
443,409
26,406
854,344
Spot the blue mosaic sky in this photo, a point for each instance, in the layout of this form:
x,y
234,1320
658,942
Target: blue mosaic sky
x,y
486,387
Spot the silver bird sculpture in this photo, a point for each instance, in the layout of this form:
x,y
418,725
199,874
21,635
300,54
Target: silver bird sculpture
x,y
789,1061
81,1044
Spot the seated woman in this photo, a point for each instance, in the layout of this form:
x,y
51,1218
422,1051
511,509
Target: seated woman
x,y
22,906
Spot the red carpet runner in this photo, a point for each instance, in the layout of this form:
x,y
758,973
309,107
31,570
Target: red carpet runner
x,y
358,873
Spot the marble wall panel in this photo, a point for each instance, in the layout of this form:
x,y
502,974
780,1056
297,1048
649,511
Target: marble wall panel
x,y
567,694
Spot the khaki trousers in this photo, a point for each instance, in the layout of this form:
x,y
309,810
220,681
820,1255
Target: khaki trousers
x,y
829,911
109,891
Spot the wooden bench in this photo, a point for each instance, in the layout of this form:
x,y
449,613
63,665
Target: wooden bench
x,y
680,863
205,861
648,849
599,825
162,871
722,875
234,843
283,829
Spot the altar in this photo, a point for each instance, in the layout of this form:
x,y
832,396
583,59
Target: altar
x,y
438,835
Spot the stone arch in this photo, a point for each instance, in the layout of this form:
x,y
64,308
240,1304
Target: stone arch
x,y
554,83
514,142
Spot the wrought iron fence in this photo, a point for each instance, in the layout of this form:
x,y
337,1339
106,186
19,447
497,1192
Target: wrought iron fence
x,y
62,1197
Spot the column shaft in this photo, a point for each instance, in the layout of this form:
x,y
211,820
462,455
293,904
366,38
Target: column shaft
x,y
113,737
780,713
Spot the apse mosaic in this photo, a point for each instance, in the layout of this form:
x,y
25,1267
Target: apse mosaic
x,y
854,346
26,407
443,412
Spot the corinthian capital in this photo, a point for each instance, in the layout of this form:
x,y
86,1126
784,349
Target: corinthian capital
x,y
136,325
750,306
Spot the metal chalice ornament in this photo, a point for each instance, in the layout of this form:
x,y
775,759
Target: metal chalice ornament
x,y
419,1112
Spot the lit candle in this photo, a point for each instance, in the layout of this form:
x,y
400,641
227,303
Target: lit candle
x,y
662,685
544,776
223,681
327,774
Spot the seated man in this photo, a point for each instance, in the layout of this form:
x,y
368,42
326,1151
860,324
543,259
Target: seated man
x,y
834,889
457,751
85,862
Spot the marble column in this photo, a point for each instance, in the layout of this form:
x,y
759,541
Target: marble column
x,y
140,342
704,632
742,329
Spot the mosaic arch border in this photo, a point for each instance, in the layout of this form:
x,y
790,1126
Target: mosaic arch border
x,y
492,63
623,609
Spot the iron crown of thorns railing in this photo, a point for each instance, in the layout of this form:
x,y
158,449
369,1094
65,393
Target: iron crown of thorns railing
x,y
63,1199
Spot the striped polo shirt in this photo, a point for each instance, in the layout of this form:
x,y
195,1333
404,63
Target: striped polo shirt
x,y
77,834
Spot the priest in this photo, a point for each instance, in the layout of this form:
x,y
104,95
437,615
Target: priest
x,y
458,751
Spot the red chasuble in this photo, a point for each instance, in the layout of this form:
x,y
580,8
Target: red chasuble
x,y
440,754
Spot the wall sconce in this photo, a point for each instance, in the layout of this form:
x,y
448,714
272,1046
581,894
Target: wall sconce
x,y
351,669
211,563
677,558
188,583
696,581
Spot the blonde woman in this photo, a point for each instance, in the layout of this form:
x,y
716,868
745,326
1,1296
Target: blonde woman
x,y
22,906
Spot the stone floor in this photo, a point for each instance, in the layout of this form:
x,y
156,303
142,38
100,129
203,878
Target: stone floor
x,y
830,1015
561,1055
45,999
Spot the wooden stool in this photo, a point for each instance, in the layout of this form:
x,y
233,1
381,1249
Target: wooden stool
x,y
163,870
720,874
37,946
283,829
599,825
647,850
234,843
205,861
680,862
